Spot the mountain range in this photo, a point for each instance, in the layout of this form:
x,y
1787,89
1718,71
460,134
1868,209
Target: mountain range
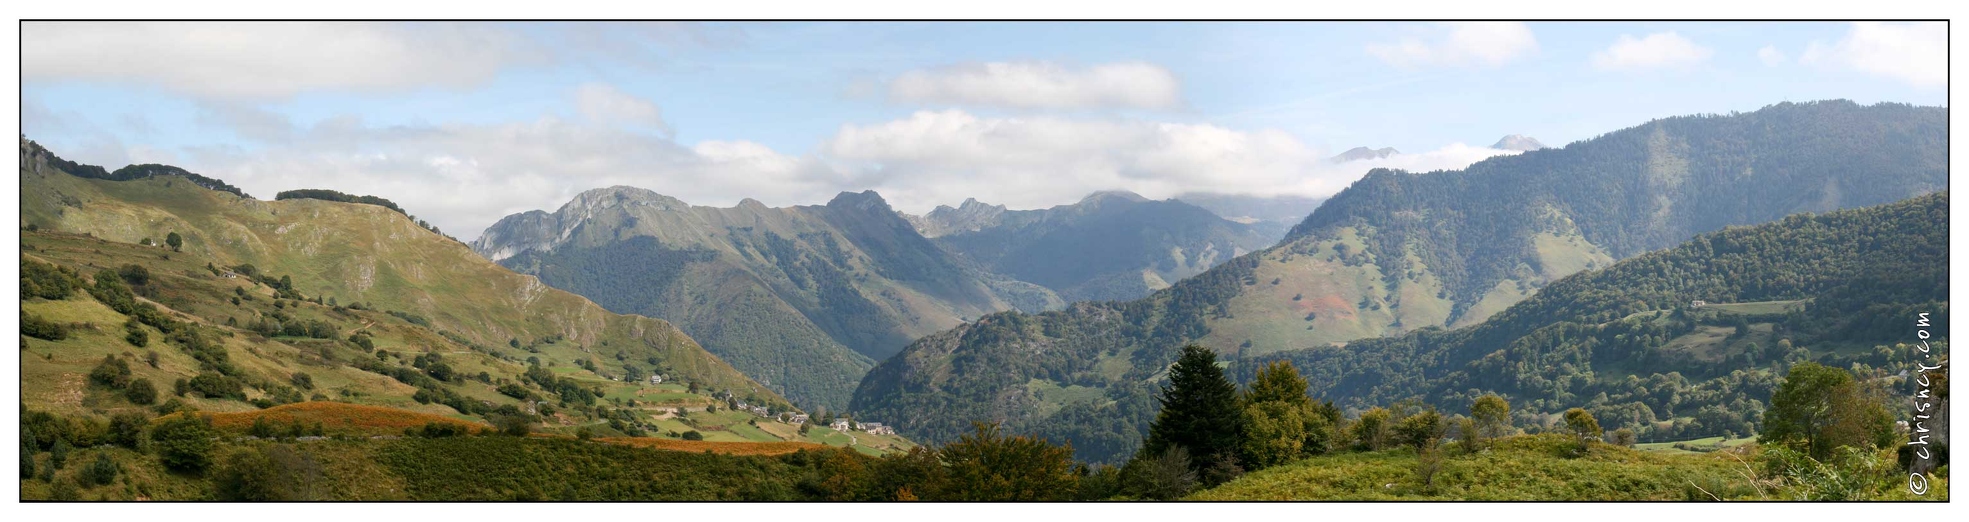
x,y
1399,252
802,298
1108,246
807,298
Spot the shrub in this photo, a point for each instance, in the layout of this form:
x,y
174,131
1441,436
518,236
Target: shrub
x,y
102,471
514,425
1161,477
185,442
127,429
271,473
141,392
37,327
134,334
693,435
217,386
112,372
444,429
1583,427
58,454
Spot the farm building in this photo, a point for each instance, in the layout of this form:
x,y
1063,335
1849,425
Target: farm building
x,y
839,425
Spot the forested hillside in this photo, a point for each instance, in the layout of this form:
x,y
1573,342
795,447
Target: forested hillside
x,y
800,298
1629,343
1109,246
1400,252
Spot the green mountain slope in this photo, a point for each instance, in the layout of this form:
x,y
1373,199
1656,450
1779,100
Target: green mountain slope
x,y
1629,343
1109,246
801,298
1401,252
439,296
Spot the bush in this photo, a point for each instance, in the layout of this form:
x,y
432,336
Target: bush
x,y
185,442
443,429
58,454
134,334
101,472
217,386
127,429
693,435
112,372
37,327
141,392
514,425
1161,477
271,473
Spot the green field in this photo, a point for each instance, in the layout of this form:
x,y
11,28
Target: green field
x,y
1758,308
1703,445
1522,468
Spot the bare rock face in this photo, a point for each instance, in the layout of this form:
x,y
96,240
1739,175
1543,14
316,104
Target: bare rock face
x,y
971,216
1518,142
1364,153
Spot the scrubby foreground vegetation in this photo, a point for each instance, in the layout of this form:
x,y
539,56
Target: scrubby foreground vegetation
x,y
1212,441
336,452
1828,437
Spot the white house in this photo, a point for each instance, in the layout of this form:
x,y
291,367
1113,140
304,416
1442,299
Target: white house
x,y
839,425
656,379
876,428
797,418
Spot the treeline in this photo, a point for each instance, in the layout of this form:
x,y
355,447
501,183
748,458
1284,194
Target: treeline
x,y
331,195
132,172
343,197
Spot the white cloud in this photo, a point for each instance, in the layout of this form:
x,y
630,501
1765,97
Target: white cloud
x,y
1770,55
1655,51
604,103
942,157
463,177
1041,85
1461,44
269,60
1912,52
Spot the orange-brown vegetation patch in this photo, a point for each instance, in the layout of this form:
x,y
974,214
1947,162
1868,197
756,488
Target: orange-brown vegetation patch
x,y
728,448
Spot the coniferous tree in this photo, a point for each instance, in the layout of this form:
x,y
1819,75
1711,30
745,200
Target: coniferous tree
x,y
1199,413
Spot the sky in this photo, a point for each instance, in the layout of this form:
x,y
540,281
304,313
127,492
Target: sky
x,y
464,123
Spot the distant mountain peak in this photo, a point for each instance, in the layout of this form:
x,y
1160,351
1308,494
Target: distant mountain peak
x,y
1121,195
601,198
1518,142
1364,153
864,200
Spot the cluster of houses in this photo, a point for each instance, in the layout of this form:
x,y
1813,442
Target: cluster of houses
x,y
761,411
873,428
